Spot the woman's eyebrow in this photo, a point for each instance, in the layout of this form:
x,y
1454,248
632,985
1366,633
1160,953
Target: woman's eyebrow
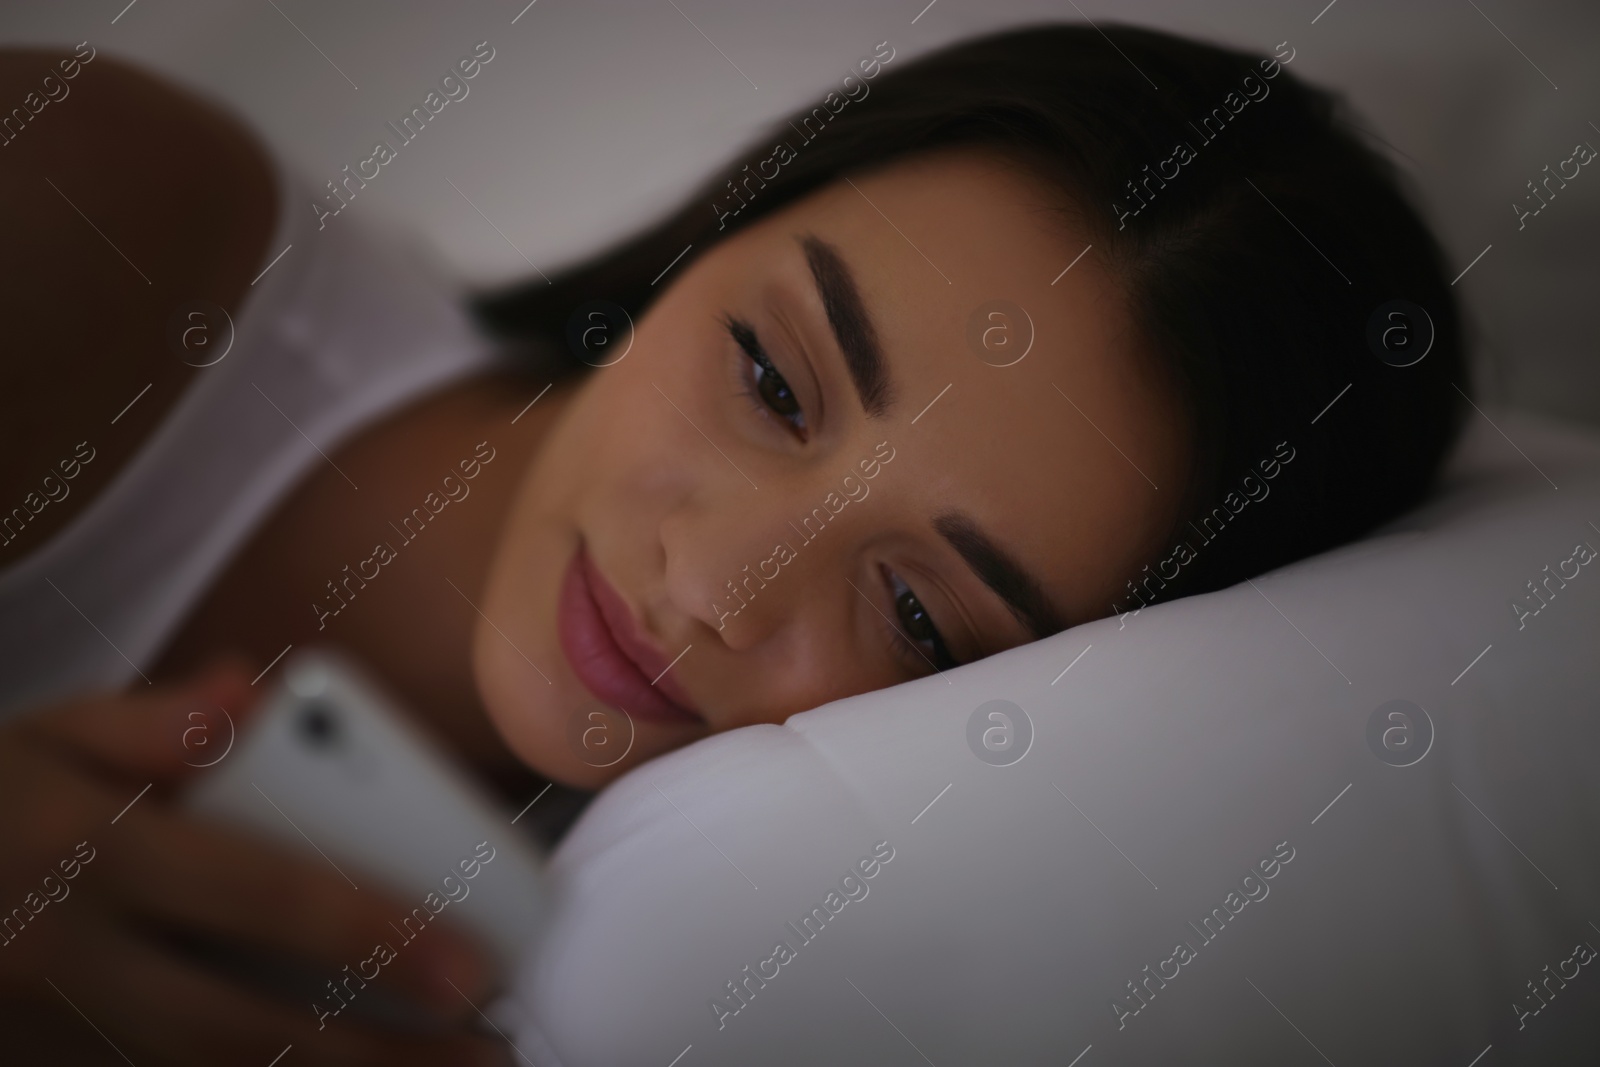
x,y
851,325
1022,592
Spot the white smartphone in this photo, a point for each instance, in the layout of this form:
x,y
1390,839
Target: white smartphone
x,y
330,765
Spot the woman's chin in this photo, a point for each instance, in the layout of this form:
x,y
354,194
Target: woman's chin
x,y
522,709
555,727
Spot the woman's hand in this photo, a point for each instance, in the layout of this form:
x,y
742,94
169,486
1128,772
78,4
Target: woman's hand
x,y
99,880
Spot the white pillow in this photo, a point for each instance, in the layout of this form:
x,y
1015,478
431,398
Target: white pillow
x,y
1200,754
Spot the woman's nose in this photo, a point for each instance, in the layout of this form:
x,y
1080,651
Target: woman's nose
x,y
713,559
742,566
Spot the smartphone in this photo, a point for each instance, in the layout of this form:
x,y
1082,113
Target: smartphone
x,y
330,765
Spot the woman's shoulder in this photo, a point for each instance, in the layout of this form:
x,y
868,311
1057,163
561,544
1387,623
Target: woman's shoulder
x,y
123,197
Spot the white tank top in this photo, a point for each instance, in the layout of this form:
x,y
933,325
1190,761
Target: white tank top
x,y
343,325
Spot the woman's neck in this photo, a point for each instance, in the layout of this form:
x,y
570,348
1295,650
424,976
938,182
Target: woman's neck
x,y
390,573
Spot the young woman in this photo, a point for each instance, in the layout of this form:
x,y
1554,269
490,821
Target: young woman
x,y
1043,327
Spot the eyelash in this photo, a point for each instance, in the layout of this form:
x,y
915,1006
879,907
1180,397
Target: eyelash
x,y
750,385
906,648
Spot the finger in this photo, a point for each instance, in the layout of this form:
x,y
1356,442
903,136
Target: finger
x,y
163,733
164,1006
211,878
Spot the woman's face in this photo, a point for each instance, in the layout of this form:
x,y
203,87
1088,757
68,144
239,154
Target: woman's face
x,y
826,466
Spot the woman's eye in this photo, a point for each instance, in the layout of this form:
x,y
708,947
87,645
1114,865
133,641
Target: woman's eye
x,y
763,383
917,626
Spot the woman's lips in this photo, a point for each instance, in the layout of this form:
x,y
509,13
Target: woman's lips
x,y
605,650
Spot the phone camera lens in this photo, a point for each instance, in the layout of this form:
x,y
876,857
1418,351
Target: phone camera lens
x,y
319,725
